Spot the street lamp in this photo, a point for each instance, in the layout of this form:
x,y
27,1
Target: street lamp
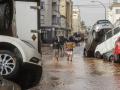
x,y
102,5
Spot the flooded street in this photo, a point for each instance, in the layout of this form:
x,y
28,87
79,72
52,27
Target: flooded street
x,y
81,74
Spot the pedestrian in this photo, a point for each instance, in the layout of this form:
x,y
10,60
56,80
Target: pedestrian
x,y
56,46
62,42
69,45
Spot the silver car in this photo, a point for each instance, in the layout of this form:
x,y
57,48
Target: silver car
x,y
100,28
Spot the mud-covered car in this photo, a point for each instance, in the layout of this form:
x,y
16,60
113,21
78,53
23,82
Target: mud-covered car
x,y
19,61
8,85
100,28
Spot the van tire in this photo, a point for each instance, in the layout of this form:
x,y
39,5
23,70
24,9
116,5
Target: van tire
x,y
13,61
112,58
87,53
98,55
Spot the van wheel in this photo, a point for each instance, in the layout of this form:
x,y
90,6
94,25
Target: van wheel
x,y
104,57
98,55
111,58
87,53
9,65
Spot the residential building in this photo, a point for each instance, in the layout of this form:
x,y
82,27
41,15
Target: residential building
x,y
63,17
69,8
76,20
114,12
50,20
66,7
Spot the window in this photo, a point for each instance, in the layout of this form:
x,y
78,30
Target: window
x,y
54,6
116,30
42,5
42,19
117,11
54,19
109,35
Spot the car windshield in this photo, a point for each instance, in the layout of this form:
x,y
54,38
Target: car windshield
x,y
103,21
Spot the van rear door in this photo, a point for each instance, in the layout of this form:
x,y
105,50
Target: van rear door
x,y
27,21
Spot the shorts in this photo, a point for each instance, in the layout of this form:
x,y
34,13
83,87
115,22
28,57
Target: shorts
x,y
69,52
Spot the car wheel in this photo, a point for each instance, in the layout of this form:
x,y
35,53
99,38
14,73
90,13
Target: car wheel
x,y
104,57
87,53
98,55
9,65
111,58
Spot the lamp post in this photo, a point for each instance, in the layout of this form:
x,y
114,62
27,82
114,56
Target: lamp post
x,y
102,5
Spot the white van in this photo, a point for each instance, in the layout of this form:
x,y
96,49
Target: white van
x,y
108,42
20,60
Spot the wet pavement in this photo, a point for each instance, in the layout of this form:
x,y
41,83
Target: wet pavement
x,y
81,74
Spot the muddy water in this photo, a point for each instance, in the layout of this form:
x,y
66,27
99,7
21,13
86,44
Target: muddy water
x,y
81,74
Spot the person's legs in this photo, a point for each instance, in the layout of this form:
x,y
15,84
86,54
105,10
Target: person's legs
x,y
57,54
71,55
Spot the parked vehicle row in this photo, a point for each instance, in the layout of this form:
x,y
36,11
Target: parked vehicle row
x,y
95,36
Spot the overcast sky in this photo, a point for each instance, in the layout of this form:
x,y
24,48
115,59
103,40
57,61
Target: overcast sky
x,y
90,14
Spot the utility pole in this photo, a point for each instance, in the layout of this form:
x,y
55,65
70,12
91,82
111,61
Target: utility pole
x,y
102,5
39,26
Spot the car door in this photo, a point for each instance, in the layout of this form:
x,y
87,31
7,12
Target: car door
x,y
27,21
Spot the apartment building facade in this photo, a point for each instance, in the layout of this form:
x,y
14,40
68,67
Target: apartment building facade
x,y
76,20
50,20
66,7
114,12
